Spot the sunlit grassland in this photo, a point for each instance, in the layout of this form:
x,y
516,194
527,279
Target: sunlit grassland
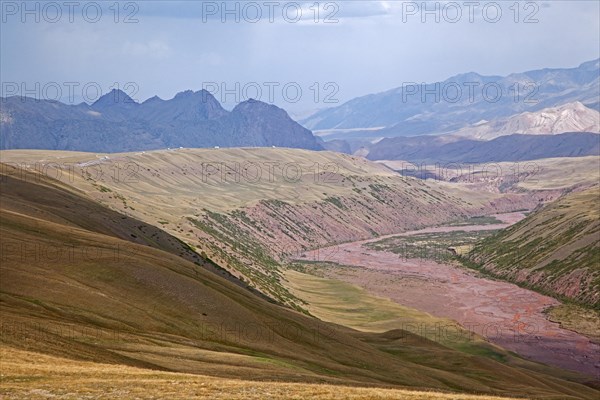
x,y
36,376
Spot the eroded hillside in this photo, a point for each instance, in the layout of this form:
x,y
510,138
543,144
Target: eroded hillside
x,y
556,249
250,209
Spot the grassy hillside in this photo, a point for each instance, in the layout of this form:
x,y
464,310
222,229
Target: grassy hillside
x,y
546,176
68,379
555,249
349,305
75,284
250,209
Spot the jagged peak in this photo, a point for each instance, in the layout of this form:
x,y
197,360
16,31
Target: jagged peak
x,y
114,97
153,99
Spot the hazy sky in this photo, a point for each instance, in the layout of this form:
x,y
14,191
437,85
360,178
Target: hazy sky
x,y
349,48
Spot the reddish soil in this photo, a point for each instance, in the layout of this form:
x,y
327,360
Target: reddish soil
x,y
504,313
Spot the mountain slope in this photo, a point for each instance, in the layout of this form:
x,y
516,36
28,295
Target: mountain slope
x,y
572,117
409,110
445,149
251,209
544,175
55,376
117,123
555,249
113,301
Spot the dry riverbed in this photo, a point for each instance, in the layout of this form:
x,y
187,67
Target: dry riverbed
x,y
504,313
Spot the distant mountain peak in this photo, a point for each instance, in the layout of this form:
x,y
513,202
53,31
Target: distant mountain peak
x,y
569,117
115,123
590,65
112,98
575,105
153,99
203,95
253,106
185,93
252,101
191,93
467,76
453,104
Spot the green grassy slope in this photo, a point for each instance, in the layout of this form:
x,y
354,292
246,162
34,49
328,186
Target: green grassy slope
x,y
555,249
57,377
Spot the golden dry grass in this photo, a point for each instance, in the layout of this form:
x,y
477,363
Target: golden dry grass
x,y
558,173
192,179
544,174
578,319
37,376
350,305
189,180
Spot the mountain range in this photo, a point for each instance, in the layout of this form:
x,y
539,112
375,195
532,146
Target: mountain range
x,y
566,101
571,117
444,148
117,123
459,101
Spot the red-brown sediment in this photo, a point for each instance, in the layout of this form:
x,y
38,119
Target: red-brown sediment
x,y
502,312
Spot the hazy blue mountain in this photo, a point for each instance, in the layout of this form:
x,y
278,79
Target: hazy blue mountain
x,y
116,123
340,146
430,111
443,149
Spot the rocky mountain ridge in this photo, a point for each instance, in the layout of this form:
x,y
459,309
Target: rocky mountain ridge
x,y
117,123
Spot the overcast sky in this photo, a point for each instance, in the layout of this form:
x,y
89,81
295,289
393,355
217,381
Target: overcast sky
x,y
348,49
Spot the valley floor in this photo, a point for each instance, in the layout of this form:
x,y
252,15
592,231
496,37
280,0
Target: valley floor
x,y
503,313
61,378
